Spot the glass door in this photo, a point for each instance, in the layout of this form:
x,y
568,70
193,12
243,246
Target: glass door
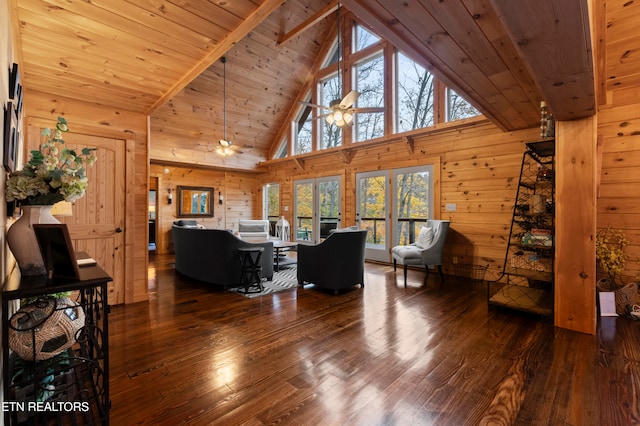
x,y
372,214
302,226
318,208
329,205
413,202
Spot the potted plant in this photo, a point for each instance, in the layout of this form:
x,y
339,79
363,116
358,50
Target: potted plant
x,y
610,244
54,173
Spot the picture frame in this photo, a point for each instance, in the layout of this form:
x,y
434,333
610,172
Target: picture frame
x,y
57,250
10,138
195,201
14,82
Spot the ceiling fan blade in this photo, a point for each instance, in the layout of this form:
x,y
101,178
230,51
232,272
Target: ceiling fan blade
x,y
365,110
314,105
349,99
317,117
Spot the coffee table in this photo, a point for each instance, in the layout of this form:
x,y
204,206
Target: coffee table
x,y
280,248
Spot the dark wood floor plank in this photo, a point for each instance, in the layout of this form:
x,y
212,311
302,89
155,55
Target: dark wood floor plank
x,y
430,353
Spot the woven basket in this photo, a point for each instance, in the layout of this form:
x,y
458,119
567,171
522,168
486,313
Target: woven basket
x,y
625,298
44,328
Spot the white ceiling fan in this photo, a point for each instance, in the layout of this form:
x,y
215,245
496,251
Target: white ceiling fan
x,y
225,146
341,111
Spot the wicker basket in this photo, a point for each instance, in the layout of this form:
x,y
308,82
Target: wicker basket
x,y
44,328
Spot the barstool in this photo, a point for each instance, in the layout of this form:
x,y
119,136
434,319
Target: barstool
x,y
251,265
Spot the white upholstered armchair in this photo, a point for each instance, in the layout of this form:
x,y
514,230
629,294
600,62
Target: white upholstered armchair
x,y
427,250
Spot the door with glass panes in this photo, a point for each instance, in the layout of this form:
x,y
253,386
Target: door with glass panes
x,y
318,208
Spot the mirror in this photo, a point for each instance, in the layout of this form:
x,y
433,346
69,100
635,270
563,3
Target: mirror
x,y
195,201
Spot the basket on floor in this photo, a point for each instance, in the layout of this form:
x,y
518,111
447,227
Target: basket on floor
x,y
472,272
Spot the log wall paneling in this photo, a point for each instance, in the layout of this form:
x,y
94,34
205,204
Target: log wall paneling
x,y
618,205
484,154
169,178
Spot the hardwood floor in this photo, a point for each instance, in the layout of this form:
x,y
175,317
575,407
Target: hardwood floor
x,y
429,354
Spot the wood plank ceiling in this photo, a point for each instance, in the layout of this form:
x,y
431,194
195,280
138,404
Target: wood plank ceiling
x,y
162,58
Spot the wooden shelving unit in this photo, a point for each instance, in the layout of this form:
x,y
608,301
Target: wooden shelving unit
x,y
526,283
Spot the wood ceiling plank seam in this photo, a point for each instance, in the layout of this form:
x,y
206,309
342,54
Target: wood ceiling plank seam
x,y
238,8
92,62
188,19
87,87
149,23
551,37
387,25
488,23
52,79
442,53
93,49
213,55
462,29
215,13
124,19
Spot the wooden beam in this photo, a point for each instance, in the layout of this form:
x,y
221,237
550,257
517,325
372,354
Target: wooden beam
x,y
299,162
575,279
255,19
311,21
348,155
408,142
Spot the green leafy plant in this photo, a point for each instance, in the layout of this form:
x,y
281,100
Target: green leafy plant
x,y
610,244
54,173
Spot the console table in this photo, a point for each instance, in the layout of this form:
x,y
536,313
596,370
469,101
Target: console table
x,y
71,387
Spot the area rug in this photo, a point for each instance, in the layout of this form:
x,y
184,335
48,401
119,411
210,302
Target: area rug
x,y
284,279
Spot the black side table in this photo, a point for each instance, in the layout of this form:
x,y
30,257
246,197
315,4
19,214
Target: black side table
x,y
251,264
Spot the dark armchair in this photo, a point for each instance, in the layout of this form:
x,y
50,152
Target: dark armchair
x,y
336,263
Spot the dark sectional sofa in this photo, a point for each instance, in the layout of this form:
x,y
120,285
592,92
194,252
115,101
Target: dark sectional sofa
x,y
211,255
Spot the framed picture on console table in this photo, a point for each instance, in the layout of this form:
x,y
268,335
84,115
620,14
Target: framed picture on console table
x,y
57,250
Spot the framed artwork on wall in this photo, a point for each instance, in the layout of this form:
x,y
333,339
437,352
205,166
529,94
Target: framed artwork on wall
x,y
14,82
10,138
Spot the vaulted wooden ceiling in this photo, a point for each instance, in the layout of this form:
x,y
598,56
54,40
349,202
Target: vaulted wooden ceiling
x,y
162,58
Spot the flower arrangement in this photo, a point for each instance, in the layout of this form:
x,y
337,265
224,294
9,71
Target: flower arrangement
x,y
54,173
610,244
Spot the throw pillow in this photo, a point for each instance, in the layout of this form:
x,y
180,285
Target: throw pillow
x,y
424,237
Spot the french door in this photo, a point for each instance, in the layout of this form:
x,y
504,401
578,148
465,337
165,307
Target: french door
x,y
392,205
318,208
412,203
372,212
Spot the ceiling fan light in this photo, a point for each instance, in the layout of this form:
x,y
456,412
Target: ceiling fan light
x,y
348,117
329,119
337,116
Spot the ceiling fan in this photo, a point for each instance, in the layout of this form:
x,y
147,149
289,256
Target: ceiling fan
x,y
225,146
341,111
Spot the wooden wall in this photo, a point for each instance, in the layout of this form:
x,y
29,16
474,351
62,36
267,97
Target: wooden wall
x,y
618,203
132,129
240,192
479,170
